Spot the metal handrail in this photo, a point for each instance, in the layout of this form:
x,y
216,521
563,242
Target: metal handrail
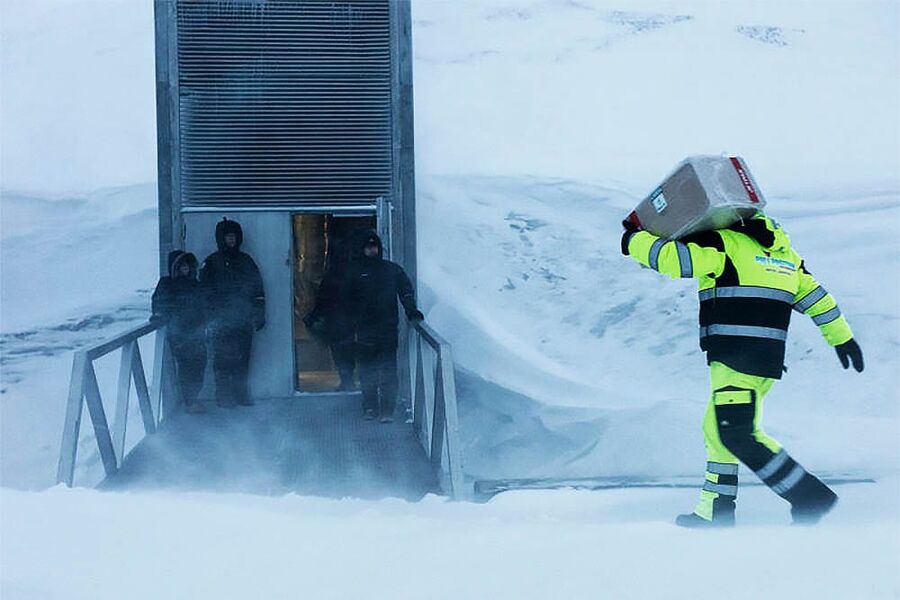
x,y
156,402
434,409
435,416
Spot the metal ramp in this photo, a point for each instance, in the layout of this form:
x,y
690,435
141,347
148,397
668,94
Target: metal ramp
x,y
313,445
317,445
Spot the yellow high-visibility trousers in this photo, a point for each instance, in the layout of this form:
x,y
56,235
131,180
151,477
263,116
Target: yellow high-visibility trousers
x,y
735,408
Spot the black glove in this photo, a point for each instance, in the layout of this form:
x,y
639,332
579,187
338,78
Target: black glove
x,y
630,230
415,316
850,351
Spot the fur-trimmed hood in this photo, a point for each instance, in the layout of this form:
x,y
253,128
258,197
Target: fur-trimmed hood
x,y
176,258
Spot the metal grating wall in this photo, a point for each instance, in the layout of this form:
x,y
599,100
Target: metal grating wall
x,y
284,101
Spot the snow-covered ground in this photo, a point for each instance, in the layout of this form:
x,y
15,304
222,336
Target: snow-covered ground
x,y
539,125
84,544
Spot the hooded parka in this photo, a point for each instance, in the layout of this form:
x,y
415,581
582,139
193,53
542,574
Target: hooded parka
x,y
232,283
180,303
234,295
374,286
178,300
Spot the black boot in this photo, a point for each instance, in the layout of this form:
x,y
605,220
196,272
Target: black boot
x,y
810,500
723,514
695,521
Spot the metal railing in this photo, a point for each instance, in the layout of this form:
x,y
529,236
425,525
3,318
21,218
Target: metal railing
x,y
156,401
434,410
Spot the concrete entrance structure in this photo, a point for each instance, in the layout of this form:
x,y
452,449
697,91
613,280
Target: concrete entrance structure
x,y
294,118
269,109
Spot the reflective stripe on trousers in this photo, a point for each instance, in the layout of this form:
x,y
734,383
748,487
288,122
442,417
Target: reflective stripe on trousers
x,y
722,468
786,482
718,488
773,465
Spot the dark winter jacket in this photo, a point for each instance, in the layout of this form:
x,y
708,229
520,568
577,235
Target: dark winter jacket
x,y
332,315
178,300
374,286
232,283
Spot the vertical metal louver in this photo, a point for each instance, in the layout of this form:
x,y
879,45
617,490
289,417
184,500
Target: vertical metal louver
x,y
284,101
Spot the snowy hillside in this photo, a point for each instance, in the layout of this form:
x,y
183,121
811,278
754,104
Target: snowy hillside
x,y
539,125
559,315
618,92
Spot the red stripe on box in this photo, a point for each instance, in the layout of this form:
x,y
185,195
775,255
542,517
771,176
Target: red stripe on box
x,y
634,219
745,179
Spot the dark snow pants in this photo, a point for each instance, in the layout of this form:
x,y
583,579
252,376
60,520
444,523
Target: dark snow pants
x,y
231,362
189,353
378,377
344,356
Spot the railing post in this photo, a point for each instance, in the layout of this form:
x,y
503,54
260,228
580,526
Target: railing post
x,y
156,382
65,472
429,365
438,419
143,394
84,389
420,412
412,342
98,419
168,385
120,422
454,452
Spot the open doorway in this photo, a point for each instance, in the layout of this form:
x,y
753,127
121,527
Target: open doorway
x,y
321,242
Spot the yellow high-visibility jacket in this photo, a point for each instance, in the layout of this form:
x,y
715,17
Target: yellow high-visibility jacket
x,y
749,280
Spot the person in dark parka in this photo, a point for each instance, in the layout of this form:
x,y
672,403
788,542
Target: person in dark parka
x,y
237,307
179,302
331,318
374,286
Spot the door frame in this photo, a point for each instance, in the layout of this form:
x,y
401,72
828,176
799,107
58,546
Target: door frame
x,y
375,211
341,210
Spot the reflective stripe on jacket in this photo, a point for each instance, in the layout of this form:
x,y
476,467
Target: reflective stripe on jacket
x,y
747,292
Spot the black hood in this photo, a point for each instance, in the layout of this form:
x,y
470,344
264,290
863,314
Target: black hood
x,y
176,257
225,227
365,238
756,227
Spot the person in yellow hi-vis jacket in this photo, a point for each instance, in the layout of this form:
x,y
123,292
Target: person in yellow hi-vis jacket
x,y
750,279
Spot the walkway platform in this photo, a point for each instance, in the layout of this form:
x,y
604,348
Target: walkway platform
x,y
315,445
